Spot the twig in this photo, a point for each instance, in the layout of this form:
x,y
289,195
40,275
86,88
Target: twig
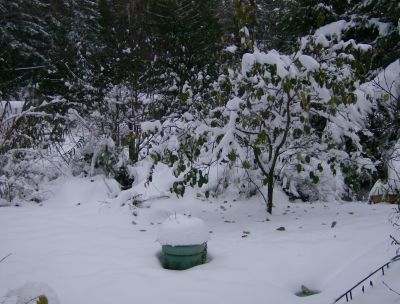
x,y
108,187
390,288
396,242
33,299
257,187
5,257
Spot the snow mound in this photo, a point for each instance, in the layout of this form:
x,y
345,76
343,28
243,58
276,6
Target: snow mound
x,y
183,230
30,291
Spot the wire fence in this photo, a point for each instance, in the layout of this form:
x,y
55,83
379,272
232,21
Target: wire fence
x,y
349,293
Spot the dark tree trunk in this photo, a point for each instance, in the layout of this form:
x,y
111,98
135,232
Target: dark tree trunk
x,y
270,194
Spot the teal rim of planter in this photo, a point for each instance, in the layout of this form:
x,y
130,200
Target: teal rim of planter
x,y
184,257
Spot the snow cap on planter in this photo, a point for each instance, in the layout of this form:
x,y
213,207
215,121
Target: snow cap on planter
x,y
183,230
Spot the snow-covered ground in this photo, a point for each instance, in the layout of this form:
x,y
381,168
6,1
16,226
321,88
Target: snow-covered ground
x,y
88,248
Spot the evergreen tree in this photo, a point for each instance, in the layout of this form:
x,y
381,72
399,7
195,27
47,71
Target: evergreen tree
x,y
377,23
24,42
186,42
283,23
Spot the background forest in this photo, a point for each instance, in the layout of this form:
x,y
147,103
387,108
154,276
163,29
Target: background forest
x,y
232,95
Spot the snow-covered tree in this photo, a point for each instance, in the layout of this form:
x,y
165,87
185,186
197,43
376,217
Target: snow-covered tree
x,y
276,117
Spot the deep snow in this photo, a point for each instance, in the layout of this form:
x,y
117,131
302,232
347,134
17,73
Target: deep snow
x,y
183,230
90,249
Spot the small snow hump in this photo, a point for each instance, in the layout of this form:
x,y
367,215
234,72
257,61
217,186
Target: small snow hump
x,y
32,293
183,230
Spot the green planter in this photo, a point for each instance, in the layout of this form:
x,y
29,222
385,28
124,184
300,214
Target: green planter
x,y
184,257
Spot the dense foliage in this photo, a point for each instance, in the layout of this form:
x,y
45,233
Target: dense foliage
x,y
239,95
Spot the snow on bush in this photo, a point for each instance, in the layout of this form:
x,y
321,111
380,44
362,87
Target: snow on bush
x,y
379,188
22,173
296,120
272,114
309,63
324,184
183,230
151,126
270,58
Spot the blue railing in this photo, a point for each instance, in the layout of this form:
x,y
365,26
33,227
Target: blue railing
x,y
349,293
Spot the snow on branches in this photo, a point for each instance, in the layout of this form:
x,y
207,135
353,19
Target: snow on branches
x,y
270,118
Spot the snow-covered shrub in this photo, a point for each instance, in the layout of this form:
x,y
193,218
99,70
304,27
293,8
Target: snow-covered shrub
x,y
23,171
382,118
111,137
101,156
27,137
346,63
312,178
190,144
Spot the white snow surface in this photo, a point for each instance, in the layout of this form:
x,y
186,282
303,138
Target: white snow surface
x,y
90,248
29,292
181,230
